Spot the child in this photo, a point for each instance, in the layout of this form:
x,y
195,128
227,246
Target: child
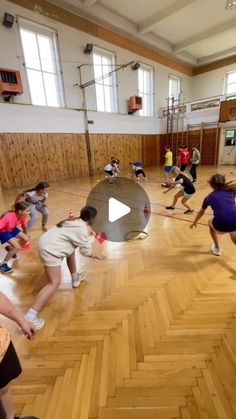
x,y
10,233
195,162
137,169
222,202
178,158
56,244
184,158
37,197
187,192
9,363
112,169
168,166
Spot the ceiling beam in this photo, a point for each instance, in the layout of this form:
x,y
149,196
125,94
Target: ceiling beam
x,y
216,30
219,55
148,24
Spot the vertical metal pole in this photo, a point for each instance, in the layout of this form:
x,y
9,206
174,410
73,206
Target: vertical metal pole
x,y
201,137
87,137
217,144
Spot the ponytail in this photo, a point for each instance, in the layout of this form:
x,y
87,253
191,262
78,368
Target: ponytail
x,y
87,214
40,185
218,183
18,206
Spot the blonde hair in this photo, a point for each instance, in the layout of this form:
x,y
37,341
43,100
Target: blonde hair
x,y
175,170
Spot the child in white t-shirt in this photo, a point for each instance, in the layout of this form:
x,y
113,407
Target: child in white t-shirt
x,y
37,197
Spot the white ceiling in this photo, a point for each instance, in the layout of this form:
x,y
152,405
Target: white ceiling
x,y
194,31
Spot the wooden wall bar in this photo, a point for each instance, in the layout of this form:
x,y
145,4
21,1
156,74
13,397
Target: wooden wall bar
x,y
206,139
27,158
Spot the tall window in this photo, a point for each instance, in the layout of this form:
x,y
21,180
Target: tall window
x,y
230,82
145,89
41,62
105,80
174,86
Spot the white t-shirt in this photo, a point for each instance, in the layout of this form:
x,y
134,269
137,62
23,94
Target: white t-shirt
x,y
108,167
34,198
60,242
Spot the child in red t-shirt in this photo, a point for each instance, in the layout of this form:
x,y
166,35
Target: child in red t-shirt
x,y
184,158
10,233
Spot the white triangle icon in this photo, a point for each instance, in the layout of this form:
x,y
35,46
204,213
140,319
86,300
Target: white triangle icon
x,y
116,210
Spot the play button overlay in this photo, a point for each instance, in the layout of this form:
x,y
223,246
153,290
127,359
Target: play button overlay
x,y
123,207
116,210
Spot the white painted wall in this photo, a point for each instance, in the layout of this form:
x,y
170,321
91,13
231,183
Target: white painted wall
x,y
210,83
26,118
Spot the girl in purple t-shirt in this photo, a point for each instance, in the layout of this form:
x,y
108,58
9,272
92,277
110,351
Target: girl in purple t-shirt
x,y
222,202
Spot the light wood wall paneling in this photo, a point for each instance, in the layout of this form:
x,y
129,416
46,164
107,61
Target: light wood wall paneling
x,y
126,147
151,145
28,158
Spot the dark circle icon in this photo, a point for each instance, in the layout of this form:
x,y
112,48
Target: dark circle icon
x,y
123,207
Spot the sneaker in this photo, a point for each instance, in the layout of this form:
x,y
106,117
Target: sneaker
x,y
170,207
215,250
25,417
5,268
189,211
80,277
37,322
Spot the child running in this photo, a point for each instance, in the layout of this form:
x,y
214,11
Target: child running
x,y
10,367
222,202
10,233
56,244
137,170
37,197
186,193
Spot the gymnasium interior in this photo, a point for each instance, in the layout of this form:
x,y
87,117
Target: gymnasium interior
x,y
151,332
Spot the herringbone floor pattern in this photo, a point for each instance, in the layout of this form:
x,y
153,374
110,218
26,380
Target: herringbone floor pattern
x,y
150,335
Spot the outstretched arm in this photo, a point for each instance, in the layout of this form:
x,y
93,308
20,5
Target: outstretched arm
x,y
197,218
177,182
19,197
11,312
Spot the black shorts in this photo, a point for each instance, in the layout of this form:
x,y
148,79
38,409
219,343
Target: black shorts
x,y
109,172
10,366
139,172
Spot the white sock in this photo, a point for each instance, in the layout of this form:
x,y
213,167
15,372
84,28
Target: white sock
x,y
31,314
74,276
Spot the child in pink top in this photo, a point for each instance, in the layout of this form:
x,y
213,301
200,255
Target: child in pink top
x,y
10,233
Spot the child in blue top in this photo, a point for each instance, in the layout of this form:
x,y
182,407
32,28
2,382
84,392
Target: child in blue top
x,y
137,169
222,202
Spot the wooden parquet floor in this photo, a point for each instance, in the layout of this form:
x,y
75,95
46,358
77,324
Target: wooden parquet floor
x,y
151,334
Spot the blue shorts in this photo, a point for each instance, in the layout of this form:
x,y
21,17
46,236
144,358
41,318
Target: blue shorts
x,y
223,227
8,235
168,169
